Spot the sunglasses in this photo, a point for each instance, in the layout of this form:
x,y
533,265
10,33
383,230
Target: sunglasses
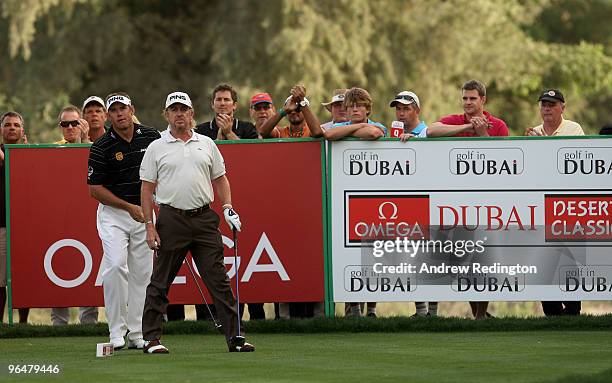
x,y
261,106
403,97
65,124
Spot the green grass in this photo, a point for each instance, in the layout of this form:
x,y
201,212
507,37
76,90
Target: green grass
x,y
543,356
340,324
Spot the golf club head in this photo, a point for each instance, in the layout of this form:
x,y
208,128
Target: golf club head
x,y
220,328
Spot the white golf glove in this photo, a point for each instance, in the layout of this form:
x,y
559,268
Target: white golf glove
x,y
232,218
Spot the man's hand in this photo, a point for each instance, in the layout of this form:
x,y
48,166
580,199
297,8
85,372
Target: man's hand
x,y
481,126
224,122
153,240
290,105
532,132
136,213
84,130
298,92
232,218
405,136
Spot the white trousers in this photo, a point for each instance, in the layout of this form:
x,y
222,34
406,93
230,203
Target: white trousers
x,y
127,264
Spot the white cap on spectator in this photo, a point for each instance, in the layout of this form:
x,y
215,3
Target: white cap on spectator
x,y
406,98
91,99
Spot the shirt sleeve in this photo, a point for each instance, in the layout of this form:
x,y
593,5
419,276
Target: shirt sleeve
x,y
422,133
249,131
97,166
381,127
148,166
218,164
503,129
453,119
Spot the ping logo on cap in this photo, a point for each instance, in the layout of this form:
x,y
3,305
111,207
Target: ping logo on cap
x,y
178,97
551,93
117,98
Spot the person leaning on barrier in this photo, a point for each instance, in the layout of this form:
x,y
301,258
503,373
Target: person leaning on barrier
x,y
12,126
75,130
358,105
407,109
474,122
336,107
113,179
552,106
302,121
94,113
182,168
225,125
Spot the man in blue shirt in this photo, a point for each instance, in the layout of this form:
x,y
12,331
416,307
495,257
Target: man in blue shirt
x,y
358,104
407,108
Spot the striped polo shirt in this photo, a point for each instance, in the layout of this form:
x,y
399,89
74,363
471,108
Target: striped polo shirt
x,y
115,163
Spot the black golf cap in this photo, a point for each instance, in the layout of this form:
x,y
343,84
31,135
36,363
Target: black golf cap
x,y
552,95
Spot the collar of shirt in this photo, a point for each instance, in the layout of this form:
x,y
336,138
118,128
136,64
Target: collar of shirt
x,y
168,137
486,114
111,132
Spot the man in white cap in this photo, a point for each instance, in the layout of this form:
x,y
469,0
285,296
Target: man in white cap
x,y
336,108
94,113
181,169
113,179
407,108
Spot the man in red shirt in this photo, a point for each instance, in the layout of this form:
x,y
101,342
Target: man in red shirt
x,y
475,121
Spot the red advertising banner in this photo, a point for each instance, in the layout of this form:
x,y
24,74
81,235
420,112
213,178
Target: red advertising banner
x,y
276,188
582,217
375,217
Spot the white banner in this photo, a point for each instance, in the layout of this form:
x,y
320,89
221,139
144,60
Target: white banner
x,y
471,219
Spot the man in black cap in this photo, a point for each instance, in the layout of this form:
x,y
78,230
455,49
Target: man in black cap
x,y
552,106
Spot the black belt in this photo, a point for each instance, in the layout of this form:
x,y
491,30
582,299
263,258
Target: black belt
x,y
190,213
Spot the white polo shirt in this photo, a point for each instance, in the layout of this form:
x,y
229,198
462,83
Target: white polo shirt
x,y
182,170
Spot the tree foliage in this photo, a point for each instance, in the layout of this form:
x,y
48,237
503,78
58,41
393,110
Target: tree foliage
x,y
65,50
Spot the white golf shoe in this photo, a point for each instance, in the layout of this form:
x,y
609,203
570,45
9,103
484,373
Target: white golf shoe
x,y
118,343
137,343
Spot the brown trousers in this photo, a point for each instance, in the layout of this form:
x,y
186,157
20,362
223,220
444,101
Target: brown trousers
x,y
200,235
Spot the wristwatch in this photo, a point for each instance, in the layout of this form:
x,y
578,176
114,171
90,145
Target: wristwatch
x,y
304,103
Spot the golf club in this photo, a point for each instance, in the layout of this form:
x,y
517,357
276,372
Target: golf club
x,y
217,325
237,341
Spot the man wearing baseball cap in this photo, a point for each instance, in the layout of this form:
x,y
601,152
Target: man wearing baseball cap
x,y
113,179
407,108
336,107
94,113
184,191
261,109
552,106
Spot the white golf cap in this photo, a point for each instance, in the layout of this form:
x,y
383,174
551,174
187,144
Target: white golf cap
x,y
337,97
117,98
91,99
178,98
406,98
